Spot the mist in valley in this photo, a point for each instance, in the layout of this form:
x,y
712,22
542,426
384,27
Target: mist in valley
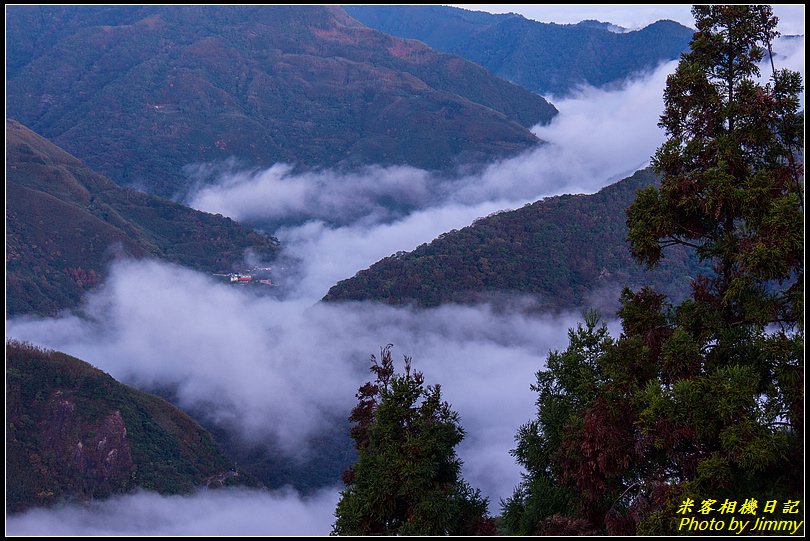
x,y
285,368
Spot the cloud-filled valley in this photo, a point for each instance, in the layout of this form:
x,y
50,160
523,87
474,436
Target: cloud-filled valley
x,y
208,512
286,367
599,136
287,370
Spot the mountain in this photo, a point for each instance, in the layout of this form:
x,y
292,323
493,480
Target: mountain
x,y
65,223
443,28
593,23
567,252
139,92
73,432
545,58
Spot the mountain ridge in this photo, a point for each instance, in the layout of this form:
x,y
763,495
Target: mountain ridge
x,y
75,433
138,93
65,223
547,58
566,252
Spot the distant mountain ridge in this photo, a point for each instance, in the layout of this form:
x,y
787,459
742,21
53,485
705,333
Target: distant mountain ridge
x,y
65,223
139,92
546,58
565,252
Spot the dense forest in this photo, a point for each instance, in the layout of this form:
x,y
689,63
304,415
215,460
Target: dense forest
x,y
675,400
547,58
696,410
153,89
566,251
65,223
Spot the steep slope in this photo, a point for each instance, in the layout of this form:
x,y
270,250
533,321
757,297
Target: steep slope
x,y
139,92
543,57
73,432
567,252
65,223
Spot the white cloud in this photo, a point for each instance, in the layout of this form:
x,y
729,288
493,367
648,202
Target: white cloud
x,y
336,225
599,136
277,194
207,513
283,371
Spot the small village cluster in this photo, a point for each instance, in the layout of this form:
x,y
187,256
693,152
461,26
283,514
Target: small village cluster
x,y
256,275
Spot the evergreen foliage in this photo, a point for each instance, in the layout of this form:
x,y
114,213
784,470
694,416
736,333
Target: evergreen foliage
x,y
406,480
702,401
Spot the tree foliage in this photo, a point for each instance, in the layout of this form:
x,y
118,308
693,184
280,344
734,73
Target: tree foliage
x,y
703,400
730,183
406,480
73,433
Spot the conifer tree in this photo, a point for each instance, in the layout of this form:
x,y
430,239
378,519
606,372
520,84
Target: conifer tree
x,y
703,401
407,478
731,179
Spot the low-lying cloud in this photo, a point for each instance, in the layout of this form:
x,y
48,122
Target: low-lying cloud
x,y
598,137
371,194
208,512
281,369
334,224
284,371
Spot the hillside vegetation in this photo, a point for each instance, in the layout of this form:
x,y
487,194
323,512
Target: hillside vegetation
x,y
547,58
140,92
566,252
65,223
73,432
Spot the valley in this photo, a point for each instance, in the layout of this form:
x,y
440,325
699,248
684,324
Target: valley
x,y
216,215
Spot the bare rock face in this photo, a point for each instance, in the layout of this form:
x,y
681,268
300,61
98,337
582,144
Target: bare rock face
x,y
98,453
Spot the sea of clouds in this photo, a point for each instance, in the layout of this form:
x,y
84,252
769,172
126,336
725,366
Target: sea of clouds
x,y
284,368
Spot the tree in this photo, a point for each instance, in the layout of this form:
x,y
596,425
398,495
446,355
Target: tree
x,y
406,480
702,401
565,389
730,178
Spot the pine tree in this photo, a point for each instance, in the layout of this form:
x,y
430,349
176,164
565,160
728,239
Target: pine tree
x,y
702,401
407,479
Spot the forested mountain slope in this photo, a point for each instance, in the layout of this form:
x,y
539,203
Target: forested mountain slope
x,y
73,432
139,92
546,58
566,252
65,223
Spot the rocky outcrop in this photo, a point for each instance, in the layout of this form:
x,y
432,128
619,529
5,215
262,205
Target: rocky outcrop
x,y
95,451
73,432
